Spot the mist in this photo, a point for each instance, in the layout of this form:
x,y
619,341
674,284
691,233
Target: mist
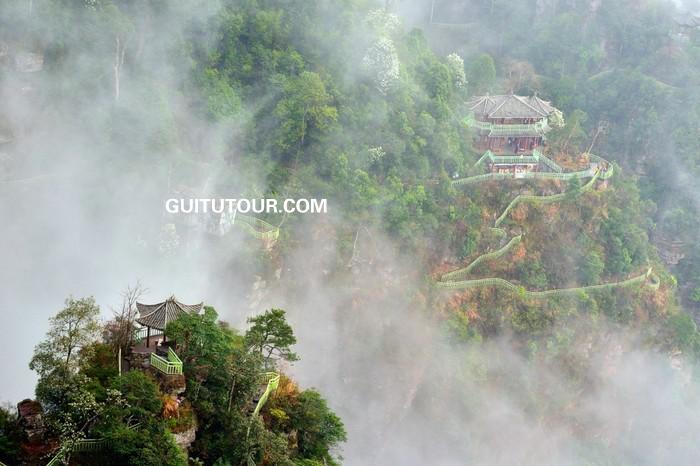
x,y
81,220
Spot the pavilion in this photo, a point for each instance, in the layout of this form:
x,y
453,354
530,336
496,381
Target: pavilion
x,y
157,316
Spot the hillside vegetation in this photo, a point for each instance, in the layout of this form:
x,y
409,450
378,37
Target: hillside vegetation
x,y
341,100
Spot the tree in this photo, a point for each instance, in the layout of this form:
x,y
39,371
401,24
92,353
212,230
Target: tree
x,y
139,391
456,65
319,429
305,105
382,63
520,75
120,331
10,436
71,329
119,25
99,363
592,266
571,133
222,101
683,329
482,73
695,296
439,86
271,335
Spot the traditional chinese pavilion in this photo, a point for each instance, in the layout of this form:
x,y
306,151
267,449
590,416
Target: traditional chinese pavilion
x,y
511,125
155,317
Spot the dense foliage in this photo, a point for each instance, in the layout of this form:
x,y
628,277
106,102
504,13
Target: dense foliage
x,y
338,100
135,414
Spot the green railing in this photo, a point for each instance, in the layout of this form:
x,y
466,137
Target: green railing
x,y
487,155
551,164
484,177
258,228
495,129
545,199
598,169
89,445
171,366
598,164
649,277
460,273
528,176
84,445
272,381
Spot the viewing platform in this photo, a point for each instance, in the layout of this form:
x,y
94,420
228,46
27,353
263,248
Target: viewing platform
x,y
494,129
151,348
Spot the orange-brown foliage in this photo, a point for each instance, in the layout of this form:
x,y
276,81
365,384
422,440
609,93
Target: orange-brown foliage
x,y
170,407
519,214
519,254
287,389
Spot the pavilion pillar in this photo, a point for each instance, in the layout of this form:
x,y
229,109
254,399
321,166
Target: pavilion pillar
x,y
148,336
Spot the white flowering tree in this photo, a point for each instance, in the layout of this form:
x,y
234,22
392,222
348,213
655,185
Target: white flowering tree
x,y
382,22
381,60
382,63
376,154
556,119
456,65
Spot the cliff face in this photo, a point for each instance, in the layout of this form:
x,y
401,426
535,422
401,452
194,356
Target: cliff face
x,y
35,445
186,438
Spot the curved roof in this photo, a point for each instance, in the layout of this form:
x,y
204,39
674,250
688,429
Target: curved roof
x,y
510,106
158,315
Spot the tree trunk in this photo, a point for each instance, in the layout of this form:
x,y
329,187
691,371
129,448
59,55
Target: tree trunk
x,y
230,393
119,52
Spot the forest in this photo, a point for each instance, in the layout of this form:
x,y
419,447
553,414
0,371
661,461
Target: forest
x,y
435,316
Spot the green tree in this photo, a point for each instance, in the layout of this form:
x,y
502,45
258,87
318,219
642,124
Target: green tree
x,y
592,266
319,430
683,330
222,101
571,135
695,295
482,73
306,106
148,445
70,404
222,378
139,391
73,328
271,336
10,436
131,423
100,362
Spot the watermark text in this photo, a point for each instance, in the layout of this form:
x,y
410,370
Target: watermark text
x,y
246,206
